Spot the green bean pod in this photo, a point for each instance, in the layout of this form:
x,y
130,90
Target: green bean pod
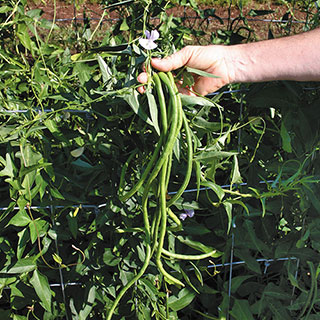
x,y
124,170
188,256
187,177
144,176
163,229
158,170
131,282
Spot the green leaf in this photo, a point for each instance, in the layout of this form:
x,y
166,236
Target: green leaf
x,y
251,262
9,167
20,219
278,310
105,70
23,35
215,188
109,258
24,237
285,137
57,258
195,244
37,229
21,266
255,13
187,79
241,310
188,281
185,297
32,169
29,155
214,154
235,176
197,272
133,101
150,288
40,284
228,207
196,101
194,228
260,246
4,9
201,73
124,26
237,282
209,126
82,164
77,152
56,193
88,305
153,109
276,292
73,225
17,317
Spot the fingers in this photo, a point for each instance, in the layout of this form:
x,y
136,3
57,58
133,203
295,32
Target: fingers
x,y
173,62
142,78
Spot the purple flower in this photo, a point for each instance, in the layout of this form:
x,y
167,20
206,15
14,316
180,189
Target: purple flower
x,y
148,43
188,213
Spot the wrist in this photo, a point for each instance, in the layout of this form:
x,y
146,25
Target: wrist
x,y
241,64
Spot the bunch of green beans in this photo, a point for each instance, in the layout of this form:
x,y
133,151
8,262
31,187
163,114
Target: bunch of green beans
x,y
155,180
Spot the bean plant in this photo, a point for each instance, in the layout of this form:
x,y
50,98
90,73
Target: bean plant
x,y
120,205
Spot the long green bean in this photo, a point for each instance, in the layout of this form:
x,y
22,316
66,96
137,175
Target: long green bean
x,y
187,177
163,227
139,184
155,180
188,256
175,219
131,282
162,103
124,170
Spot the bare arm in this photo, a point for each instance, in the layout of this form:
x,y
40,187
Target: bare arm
x,y
289,58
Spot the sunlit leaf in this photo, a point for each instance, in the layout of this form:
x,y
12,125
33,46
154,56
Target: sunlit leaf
x,y
21,266
77,152
183,299
41,286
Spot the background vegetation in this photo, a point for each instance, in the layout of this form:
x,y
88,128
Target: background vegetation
x,y
199,2
71,118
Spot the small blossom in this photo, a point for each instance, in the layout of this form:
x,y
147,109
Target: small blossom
x,y
188,213
148,43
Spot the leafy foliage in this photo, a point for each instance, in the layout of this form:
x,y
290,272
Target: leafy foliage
x,y
70,120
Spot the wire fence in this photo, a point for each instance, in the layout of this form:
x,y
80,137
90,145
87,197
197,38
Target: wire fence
x,y
102,16
98,208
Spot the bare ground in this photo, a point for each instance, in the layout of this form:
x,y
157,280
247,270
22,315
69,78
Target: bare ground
x,y
261,25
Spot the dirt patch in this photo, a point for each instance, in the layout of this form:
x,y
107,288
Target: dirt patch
x,y
261,26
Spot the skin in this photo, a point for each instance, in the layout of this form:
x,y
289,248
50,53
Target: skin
x,y
288,58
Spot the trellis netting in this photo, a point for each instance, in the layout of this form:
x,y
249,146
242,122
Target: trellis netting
x,y
74,132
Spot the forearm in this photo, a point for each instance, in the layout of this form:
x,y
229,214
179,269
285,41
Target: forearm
x,y
288,58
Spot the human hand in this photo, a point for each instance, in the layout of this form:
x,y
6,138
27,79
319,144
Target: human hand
x,y
213,59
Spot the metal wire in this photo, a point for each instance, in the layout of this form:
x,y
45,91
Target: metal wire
x,y
45,111
268,261
98,207
183,18
89,112
212,266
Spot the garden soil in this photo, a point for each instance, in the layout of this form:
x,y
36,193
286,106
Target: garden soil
x,y
261,26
